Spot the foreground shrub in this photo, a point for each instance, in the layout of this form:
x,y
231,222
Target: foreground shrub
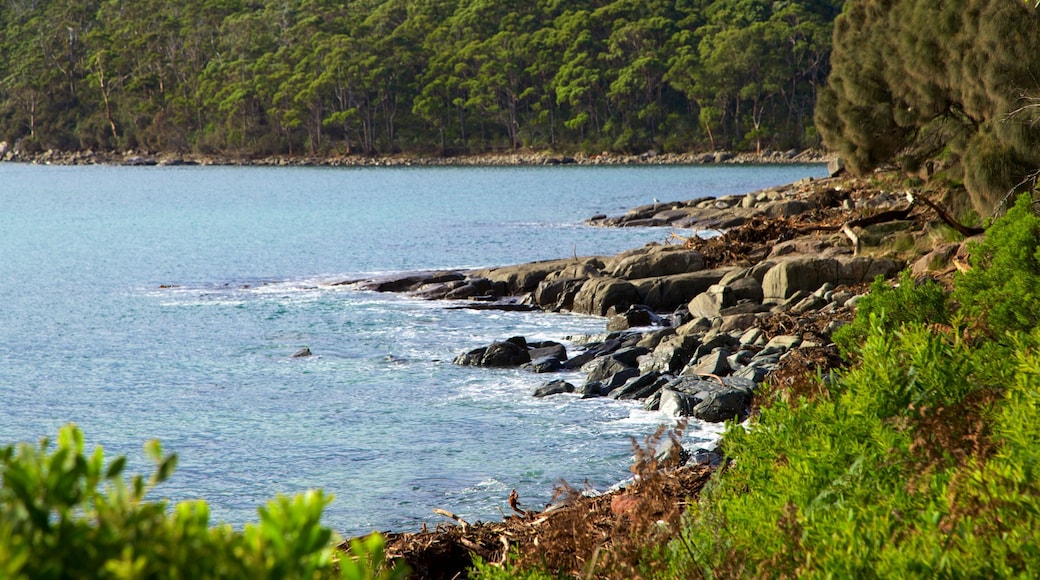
x,y
1002,290
64,514
922,460
903,303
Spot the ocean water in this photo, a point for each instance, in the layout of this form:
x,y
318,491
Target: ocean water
x,y
166,302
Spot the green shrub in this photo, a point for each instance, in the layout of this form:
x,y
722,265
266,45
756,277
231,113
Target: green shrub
x,y
1002,290
905,302
64,514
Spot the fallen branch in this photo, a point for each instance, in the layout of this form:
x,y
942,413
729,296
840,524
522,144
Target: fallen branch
x,y
450,515
945,217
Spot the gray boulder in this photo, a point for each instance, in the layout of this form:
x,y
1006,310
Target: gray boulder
x,y
656,261
708,400
671,355
603,368
666,293
714,363
710,303
545,364
598,295
553,388
807,273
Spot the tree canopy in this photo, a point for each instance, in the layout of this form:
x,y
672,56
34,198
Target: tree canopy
x,y
256,77
951,84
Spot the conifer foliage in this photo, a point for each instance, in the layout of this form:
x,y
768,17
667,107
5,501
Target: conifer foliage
x,y
952,82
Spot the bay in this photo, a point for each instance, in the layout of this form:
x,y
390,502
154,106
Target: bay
x,y
166,303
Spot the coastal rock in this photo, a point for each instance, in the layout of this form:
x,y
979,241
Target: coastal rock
x,y
640,387
710,303
526,277
671,355
707,400
557,294
510,353
636,315
597,295
714,363
746,288
807,273
617,380
544,364
592,351
554,388
657,261
547,348
666,293
603,368
408,281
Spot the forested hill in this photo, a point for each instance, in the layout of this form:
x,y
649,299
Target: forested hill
x,y
254,77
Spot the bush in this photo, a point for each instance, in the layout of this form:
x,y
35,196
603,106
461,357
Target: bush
x,y
64,514
1002,290
905,302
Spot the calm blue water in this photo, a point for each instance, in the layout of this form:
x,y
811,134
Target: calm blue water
x,y
166,303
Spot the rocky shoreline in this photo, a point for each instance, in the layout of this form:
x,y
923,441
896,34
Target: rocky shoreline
x,y
697,328
687,331
514,158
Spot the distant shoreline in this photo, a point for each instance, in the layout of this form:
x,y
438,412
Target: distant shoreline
x,y
520,158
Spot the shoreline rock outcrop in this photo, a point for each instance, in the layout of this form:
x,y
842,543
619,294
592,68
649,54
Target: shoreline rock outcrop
x,y
694,325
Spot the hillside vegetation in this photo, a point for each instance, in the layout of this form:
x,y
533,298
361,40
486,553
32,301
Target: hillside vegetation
x,y
254,77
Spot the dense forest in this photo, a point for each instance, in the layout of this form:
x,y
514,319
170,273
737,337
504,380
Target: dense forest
x,y
254,77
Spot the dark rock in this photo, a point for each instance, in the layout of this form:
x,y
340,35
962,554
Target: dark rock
x,y
671,355
633,317
746,288
469,289
714,341
408,281
544,364
641,387
618,380
591,390
511,353
709,401
553,388
602,368
629,355
592,351
438,291
557,294
547,348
